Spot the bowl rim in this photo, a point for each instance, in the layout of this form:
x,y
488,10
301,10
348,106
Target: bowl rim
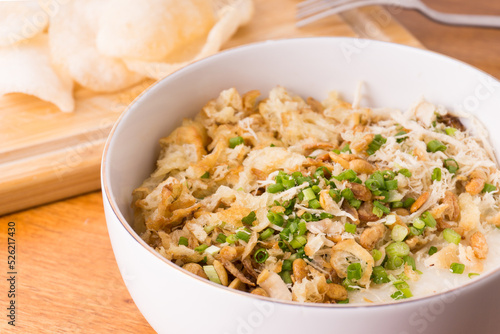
x,y
107,194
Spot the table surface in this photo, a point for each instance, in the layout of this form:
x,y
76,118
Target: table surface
x,y
84,291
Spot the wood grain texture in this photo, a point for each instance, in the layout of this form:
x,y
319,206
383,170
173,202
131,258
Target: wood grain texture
x,y
479,47
68,278
52,155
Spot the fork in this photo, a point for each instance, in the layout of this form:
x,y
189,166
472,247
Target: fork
x,y
309,11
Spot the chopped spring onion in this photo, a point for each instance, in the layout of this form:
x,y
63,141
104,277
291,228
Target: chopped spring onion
x,y
457,268
397,204
275,188
335,195
399,233
221,238
266,234
435,145
379,275
405,172
201,248
398,295
298,241
419,223
410,261
350,228
243,235
287,265
308,194
346,148
321,171
379,209
307,216
183,241
393,263
302,228
288,183
375,145
261,255
404,288
391,184
450,131
235,141
275,218
408,202
286,277
231,239
355,203
390,219
489,188
451,236
473,274
388,175
347,194
432,250
316,189
212,274
348,175
451,165
249,219
428,219
345,301
325,215
206,175
377,255
375,181
400,137
436,174
354,271
314,204
209,228
283,246
398,248
416,231
212,250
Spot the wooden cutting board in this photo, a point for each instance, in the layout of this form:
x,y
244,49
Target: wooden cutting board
x,y
47,155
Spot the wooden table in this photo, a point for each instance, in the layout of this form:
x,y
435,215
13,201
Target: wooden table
x,y
67,278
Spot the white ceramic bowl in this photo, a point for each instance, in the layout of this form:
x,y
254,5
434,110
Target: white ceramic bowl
x,y
175,301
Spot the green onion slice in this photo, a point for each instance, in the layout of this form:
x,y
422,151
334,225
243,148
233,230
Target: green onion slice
x,y
308,194
183,241
235,141
457,268
376,144
261,255
405,172
432,250
354,271
399,233
201,248
436,174
212,274
435,145
398,248
488,188
350,228
275,188
451,165
428,219
451,236
249,219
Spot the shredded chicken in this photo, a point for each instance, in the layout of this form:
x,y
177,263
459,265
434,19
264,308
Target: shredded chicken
x,y
320,202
